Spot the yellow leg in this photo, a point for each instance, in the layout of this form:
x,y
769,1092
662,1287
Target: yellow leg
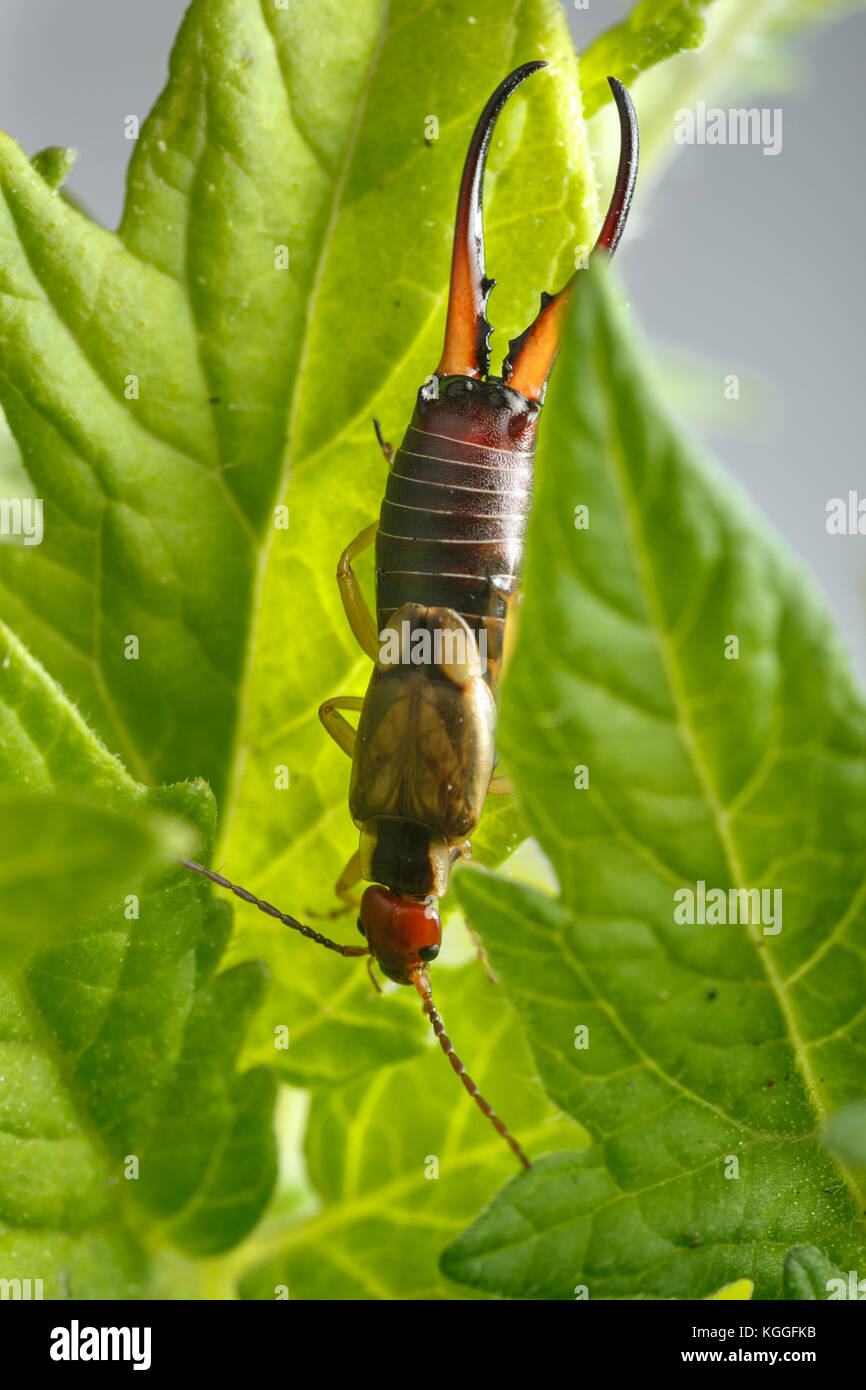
x,y
337,726
480,952
512,618
348,880
387,449
344,736
361,620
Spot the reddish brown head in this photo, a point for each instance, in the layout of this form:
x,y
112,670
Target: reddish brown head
x,y
404,934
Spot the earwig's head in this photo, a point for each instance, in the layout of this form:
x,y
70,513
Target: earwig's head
x,y
404,934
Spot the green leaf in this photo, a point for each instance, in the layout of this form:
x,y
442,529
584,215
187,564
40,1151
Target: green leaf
x,y
124,1124
53,164
748,47
61,860
13,478
401,1160
739,1291
655,30
846,1133
807,1273
707,1044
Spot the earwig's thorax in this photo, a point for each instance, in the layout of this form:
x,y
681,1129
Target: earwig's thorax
x,y
410,857
425,750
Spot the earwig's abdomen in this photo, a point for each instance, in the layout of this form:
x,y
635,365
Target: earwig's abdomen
x,y
453,522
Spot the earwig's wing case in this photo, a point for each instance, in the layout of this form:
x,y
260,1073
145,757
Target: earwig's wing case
x,y
425,746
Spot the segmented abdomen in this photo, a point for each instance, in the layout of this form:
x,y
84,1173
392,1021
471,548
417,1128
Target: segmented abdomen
x,y
452,527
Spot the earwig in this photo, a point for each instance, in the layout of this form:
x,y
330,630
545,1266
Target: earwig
x,y
449,557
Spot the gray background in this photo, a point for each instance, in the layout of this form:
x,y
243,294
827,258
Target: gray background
x,y
753,264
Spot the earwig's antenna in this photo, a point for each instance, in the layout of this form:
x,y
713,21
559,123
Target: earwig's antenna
x,y
419,979
272,911
422,984
466,352
531,355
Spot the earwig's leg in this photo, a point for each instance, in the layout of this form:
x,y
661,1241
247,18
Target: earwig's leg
x,y
501,786
361,620
480,951
512,617
339,728
387,449
348,879
371,972
344,736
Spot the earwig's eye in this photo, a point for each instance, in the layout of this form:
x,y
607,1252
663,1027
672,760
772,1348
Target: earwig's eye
x,y
428,952
361,927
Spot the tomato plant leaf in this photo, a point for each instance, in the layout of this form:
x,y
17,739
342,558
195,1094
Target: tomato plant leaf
x,y
125,1124
61,860
401,1159
807,1274
695,727
653,31
740,1291
846,1133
